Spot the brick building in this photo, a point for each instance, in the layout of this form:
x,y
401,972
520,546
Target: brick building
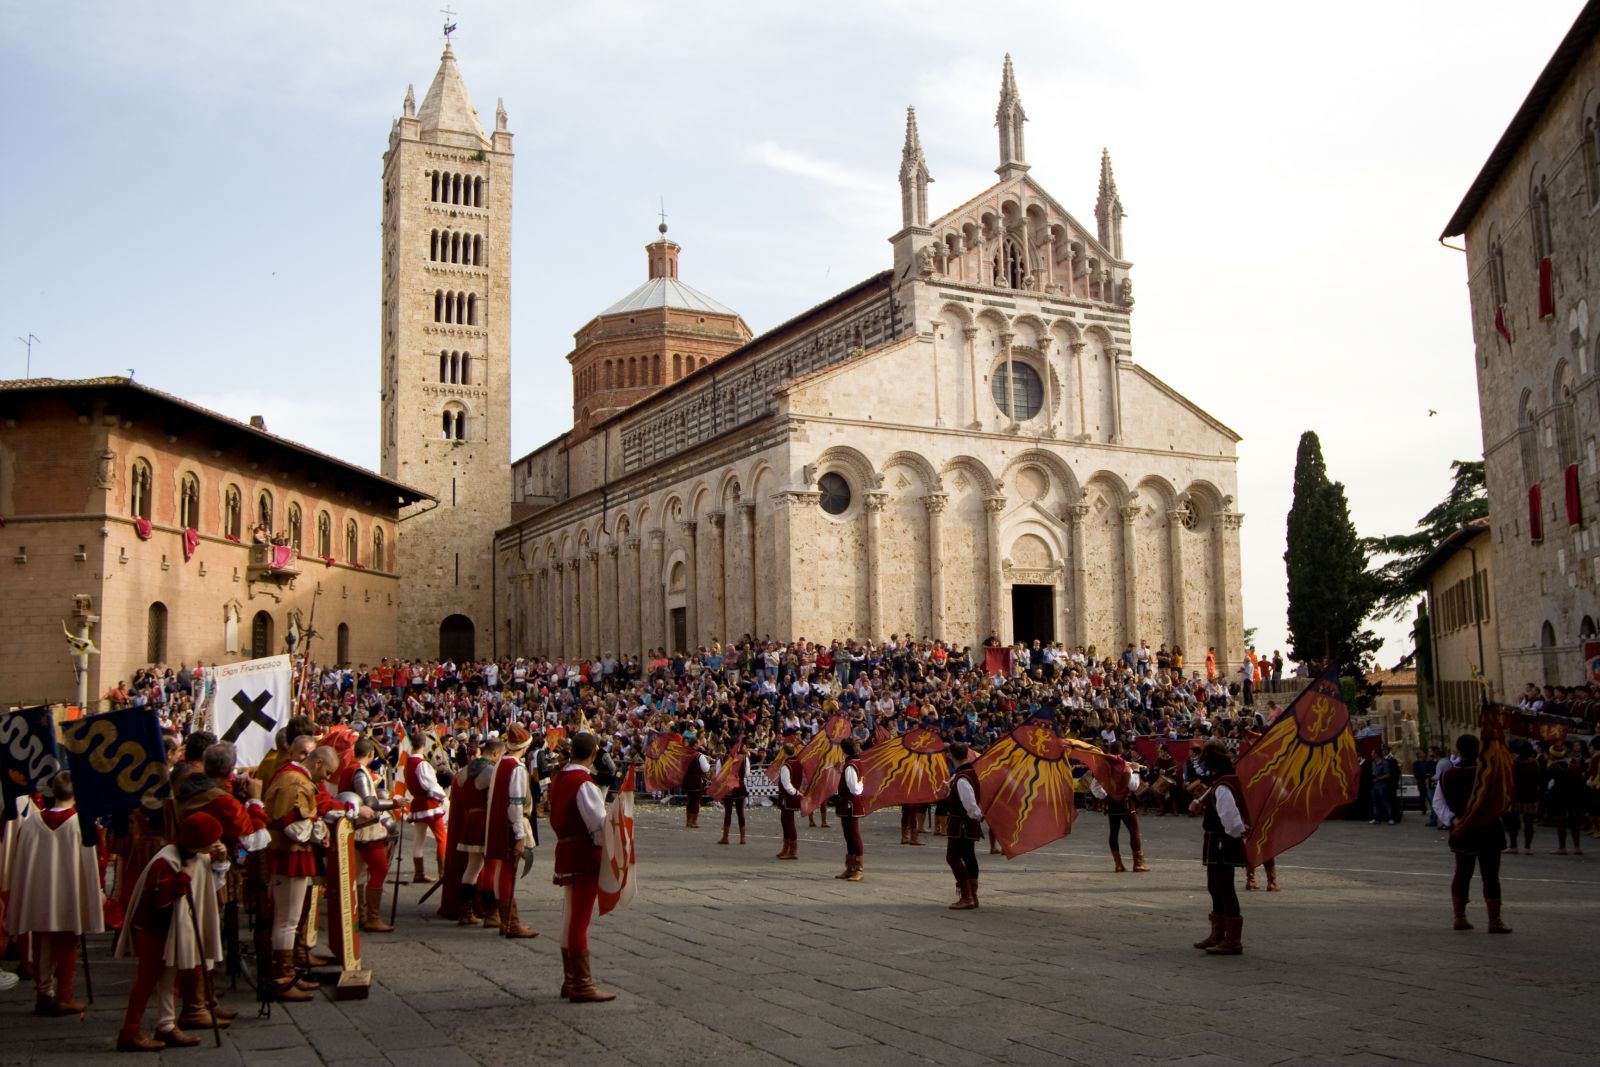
x,y
1531,220
127,503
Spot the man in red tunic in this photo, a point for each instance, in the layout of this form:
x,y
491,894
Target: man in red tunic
x,y
1117,787
427,808
694,781
578,816
852,806
508,832
469,809
292,819
53,888
791,788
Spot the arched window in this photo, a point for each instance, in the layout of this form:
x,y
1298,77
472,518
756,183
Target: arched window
x,y
438,305
677,365
450,307
261,634
433,189
444,365
1497,272
295,527
454,422
189,501
1539,217
377,548
455,367
461,426
455,189
352,541
477,251
1010,265
449,425
232,512
1591,160
472,310
264,512
455,248
433,246
139,483
466,368
324,534
477,192
156,634
342,644
1019,393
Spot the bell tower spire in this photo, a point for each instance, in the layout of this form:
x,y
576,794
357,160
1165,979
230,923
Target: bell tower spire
x,y
1009,117
1108,211
914,177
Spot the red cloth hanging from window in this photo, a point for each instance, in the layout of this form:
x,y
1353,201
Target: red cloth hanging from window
x,y
1500,323
1574,498
143,528
1547,289
1535,515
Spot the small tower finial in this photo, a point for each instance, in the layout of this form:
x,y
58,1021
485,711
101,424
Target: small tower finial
x,y
1108,211
662,229
914,176
1009,117
500,114
409,109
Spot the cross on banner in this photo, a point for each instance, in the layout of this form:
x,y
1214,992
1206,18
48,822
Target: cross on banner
x,y
250,714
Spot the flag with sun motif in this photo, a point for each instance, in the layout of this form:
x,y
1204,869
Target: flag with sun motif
x,y
1299,770
823,761
730,775
909,769
666,761
1491,780
1025,780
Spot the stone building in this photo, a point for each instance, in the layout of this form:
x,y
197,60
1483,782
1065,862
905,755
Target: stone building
x,y
1532,235
446,359
1463,630
961,444
126,503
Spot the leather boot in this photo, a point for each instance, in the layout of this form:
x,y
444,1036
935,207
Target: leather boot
x,y
465,916
419,871
1116,858
723,840
916,832
856,864
824,818
285,983
489,910
1232,925
972,890
372,920
176,1038
1214,936
811,820
849,867
136,1041
566,974
905,835
1250,878
1272,879
193,1011
510,923
583,987
1459,905
63,1006
1139,865
1496,926
741,835
994,849
965,903
941,825
793,848
307,960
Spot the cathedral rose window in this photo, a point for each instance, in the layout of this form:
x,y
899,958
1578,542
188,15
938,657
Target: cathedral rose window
x,y
1019,393
835,493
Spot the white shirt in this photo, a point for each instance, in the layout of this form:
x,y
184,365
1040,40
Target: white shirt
x,y
1228,812
968,800
852,781
591,804
1441,807
1133,786
785,782
518,790
429,780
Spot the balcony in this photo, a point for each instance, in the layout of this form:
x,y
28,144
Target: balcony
x,y
273,563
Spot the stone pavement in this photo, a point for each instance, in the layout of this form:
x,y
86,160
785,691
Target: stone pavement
x,y
732,959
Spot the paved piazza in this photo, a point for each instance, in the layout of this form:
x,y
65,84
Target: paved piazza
x,y
730,958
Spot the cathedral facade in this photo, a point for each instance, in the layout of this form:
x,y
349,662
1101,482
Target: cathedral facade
x,y
959,446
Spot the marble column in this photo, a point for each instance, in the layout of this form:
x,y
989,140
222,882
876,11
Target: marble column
x,y
1180,600
935,503
656,595
1011,381
611,638
1077,516
558,643
1083,414
747,526
593,604
717,559
691,586
541,612
872,506
998,613
1130,573
970,333
1114,368
634,595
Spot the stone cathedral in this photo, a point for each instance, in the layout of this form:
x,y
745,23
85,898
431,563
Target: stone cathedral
x,y
957,446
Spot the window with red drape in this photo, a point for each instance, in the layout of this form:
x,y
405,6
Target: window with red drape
x,y
1535,515
1547,290
1574,498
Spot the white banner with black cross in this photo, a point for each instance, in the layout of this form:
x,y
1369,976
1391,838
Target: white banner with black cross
x,y
248,703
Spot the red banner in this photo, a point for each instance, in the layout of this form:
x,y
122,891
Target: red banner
x,y
1574,497
1149,749
823,761
1302,768
666,761
1547,288
1025,786
910,769
726,780
997,661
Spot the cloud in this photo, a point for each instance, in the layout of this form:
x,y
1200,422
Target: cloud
x,y
798,164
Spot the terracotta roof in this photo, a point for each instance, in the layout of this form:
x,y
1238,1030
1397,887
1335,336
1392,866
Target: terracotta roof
x,y
1528,116
405,494
1450,546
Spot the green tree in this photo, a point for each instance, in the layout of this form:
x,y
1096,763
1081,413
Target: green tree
x,y
1330,593
1395,579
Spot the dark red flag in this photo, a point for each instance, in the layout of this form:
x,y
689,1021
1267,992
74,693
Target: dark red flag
x,y
1025,786
823,761
726,780
1500,322
909,769
997,660
666,761
1547,288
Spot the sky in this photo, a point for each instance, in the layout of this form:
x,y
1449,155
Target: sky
x,y
192,192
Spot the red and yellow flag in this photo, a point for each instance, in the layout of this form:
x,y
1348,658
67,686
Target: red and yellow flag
x,y
1491,784
726,780
823,761
1025,780
909,769
666,761
1298,771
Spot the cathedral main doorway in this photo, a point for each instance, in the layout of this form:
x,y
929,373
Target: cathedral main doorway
x,y
1033,613
457,638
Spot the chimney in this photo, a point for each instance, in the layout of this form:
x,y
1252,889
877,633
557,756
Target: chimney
x,y
258,423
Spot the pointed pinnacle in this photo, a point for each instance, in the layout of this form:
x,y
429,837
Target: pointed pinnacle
x,y
1010,99
1108,181
913,147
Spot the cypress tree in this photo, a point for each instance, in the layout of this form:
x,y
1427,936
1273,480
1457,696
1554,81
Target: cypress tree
x,y
1330,593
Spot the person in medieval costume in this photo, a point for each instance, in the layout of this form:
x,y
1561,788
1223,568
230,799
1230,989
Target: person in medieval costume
x,y
733,802
508,832
1470,808
53,887
427,808
852,807
469,809
791,790
578,816
371,839
694,781
964,827
1116,786
174,898
1225,820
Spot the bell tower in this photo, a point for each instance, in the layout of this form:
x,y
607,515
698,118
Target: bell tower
x,y
445,359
